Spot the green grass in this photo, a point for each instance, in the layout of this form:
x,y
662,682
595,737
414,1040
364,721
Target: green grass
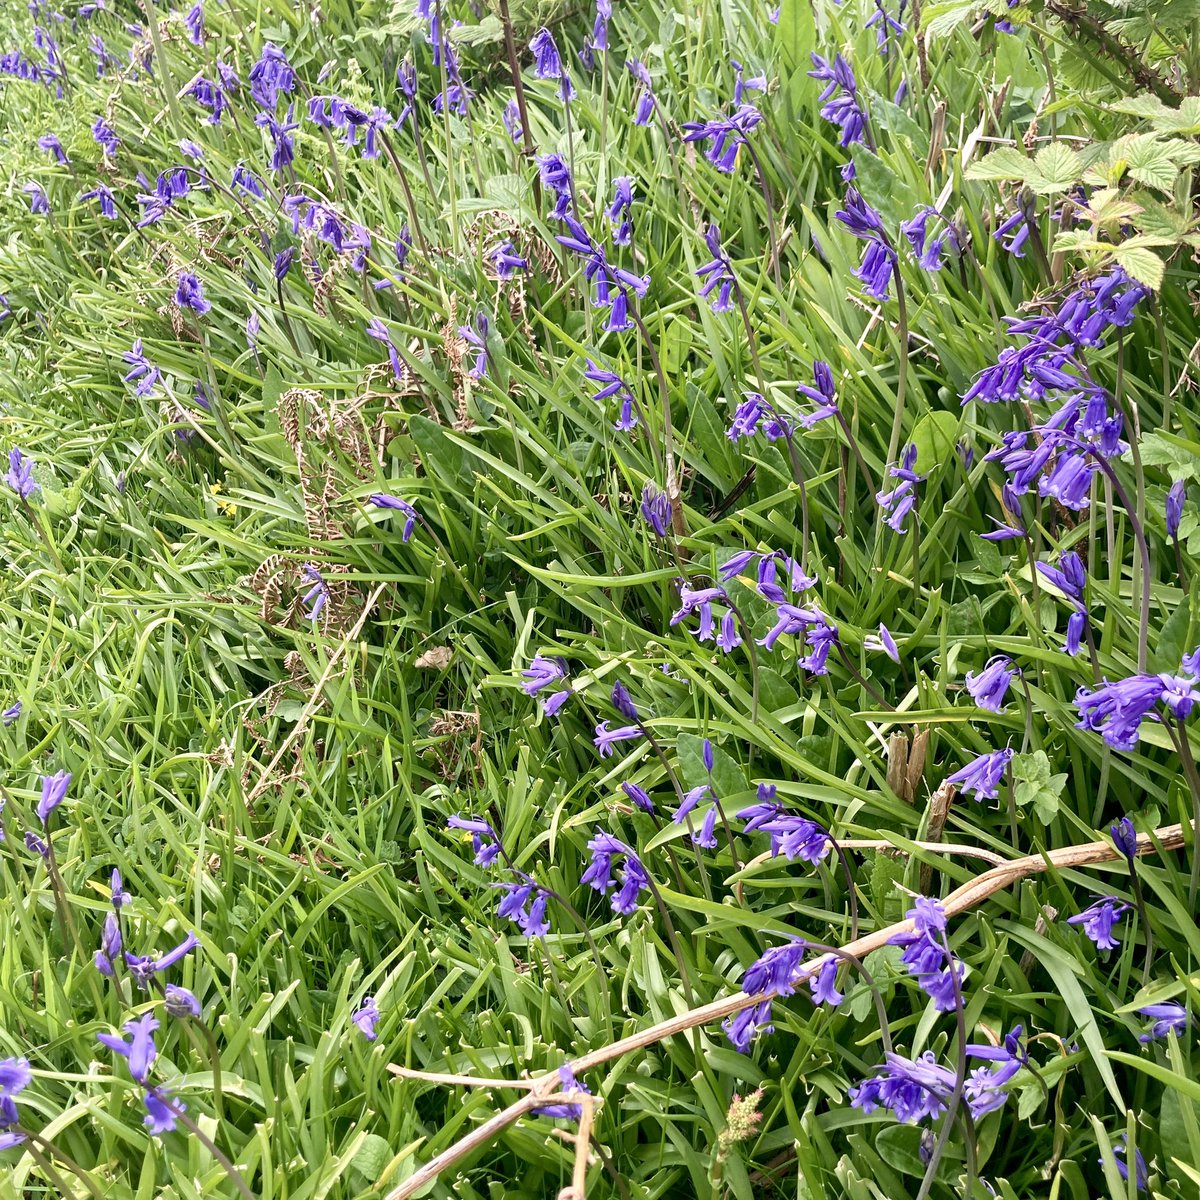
x,y
282,786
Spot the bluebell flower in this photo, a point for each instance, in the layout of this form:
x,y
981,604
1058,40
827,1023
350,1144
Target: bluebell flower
x,y
189,293
19,476
39,202
35,843
139,1048
925,955
884,642
724,135
1117,710
476,335
983,775
1099,920
406,77
15,1077
823,393
143,968
506,262
556,176
485,842
365,1018
383,500
743,1027
1013,233
606,738
638,795
989,686
512,122
612,385
195,24
568,1084
525,904
656,509
50,143
109,953
54,792
547,62
643,110
180,1003
1124,836
11,714
317,595
108,203
929,250
283,148
1174,507
744,84
822,983
1120,1149
885,26
611,285
162,1111
605,849
839,100
900,500
717,273
1165,1018
378,330
778,971
879,259
620,209
282,263
913,1089
271,76
247,181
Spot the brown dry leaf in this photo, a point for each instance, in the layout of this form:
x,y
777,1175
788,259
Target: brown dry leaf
x,y
437,658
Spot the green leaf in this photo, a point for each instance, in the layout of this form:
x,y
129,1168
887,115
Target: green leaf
x,y
941,20
1144,265
1007,163
1056,168
728,777
439,454
1148,161
935,436
1035,784
795,33
1173,638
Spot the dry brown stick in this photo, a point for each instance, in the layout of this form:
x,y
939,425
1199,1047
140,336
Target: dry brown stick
x,y
974,892
583,1145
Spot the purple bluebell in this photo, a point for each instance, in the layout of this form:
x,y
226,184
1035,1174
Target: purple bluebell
x,y
691,798
106,137
476,336
623,701
1174,507
247,181
525,904
54,792
913,1089
506,262
879,259
982,776
612,385
638,795
485,842
210,95
1116,710
1165,1018
778,971
548,63
15,1077
383,500
35,843
39,202
171,185
606,738
1013,232
189,293
194,21
620,210
929,250
282,263
925,954
883,641
605,849
840,102
743,1027
108,203
50,143
11,714
643,110
138,1048
989,686
823,982
611,285
283,148
162,1111
180,1003
406,77
317,596
379,331
886,26
1099,920
564,1111
512,122
542,673
717,273
271,76
143,968
900,500
1141,1177
823,394
724,135
656,509
366,1017
19,475
743,83
1124,836
109,953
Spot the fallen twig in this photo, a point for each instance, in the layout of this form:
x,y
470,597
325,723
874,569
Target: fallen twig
x,y
973,892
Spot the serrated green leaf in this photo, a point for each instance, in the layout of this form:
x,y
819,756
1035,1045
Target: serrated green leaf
x,y
1143,264
1056,168
1006,163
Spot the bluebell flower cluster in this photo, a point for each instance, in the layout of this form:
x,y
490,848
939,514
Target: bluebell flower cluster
x,y
927,956
1116,710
